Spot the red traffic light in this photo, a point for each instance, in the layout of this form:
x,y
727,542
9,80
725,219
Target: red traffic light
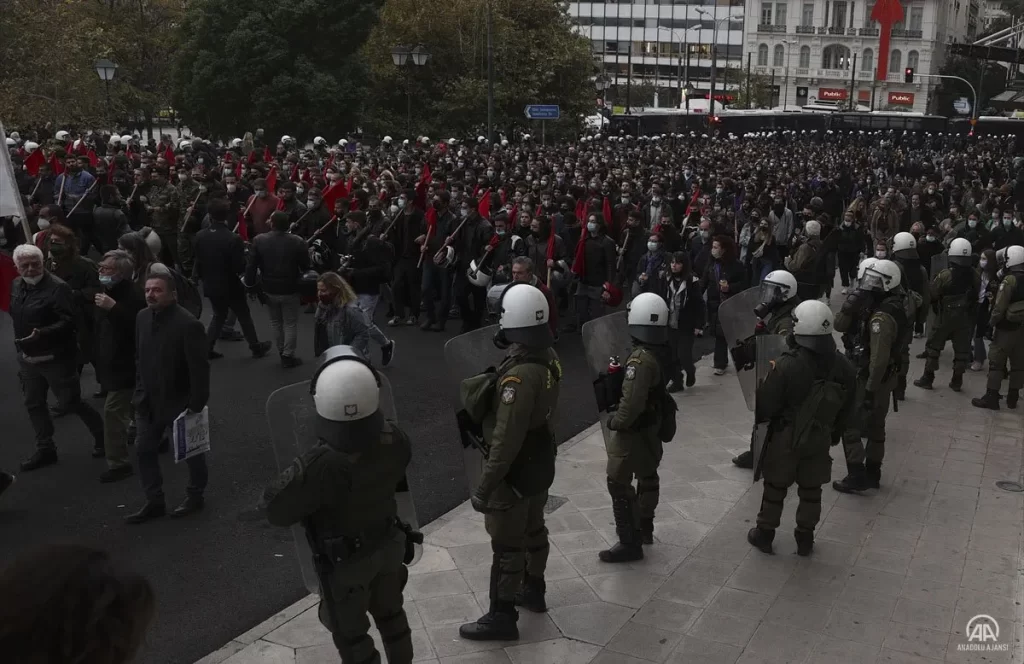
x,y
908,75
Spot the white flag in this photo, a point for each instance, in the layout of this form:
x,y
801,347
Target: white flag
x,y
10,198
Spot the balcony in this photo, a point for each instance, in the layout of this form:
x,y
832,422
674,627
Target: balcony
x,y
907,34
805,29
868,32
802,71
895,78
837,31
771,28
822,31
843,74
865,75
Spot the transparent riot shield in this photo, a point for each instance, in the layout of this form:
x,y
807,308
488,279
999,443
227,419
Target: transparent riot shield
x,y
736,316
467,355
769,348
606,342
291,417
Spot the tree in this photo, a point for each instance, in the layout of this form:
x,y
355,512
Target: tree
x,y
641,94
988,78
288,66
538,59
755,93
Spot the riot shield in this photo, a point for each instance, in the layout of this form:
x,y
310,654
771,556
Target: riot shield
x,y
606,339
769,348
736,316
291,416
467,355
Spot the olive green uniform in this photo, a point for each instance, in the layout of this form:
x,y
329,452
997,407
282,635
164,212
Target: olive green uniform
x,y
877,363
346,502
781,321
954,295
191,191
164,207
786,387
916,315
519,469
634,448
1007,338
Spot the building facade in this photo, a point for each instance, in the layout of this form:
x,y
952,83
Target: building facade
x,y
828,50
665,43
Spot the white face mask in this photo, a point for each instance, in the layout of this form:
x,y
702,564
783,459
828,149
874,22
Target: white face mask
x,y
182,176
652,246
983,262
312,202
880,254
43,224
591,227
232,188
33,280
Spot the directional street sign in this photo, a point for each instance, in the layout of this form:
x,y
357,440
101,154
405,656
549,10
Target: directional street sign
x,y
542,112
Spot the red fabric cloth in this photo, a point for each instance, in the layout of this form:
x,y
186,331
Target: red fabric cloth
x,y
606,212
251,159
8,273
484,207
578,260
56,165
551,245
34,161
93,159
169,155
431,215
272,181
238,170
267,157
243,230
332,193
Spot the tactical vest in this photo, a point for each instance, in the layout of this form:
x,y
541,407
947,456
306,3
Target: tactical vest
x,y
960,294
894,306
912,274
1015,309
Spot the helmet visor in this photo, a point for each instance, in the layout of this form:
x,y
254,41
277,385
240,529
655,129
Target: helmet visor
x,y
872,281
772,292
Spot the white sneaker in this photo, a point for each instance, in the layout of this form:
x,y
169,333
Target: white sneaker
x,y
719,372
977,366
844,291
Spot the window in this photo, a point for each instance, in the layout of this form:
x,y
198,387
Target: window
x,y
868,22
780,13
912,59
916,17
835,56
867,60
839,14
896,62
779,56
805,57
762,55
766,13
807,17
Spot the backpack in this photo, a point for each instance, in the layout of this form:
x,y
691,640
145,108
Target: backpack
x,y
188,295
815,421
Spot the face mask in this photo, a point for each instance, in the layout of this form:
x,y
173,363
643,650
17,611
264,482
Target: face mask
x,y
625,200
983,262
43,224
718,190
228,171
971,223
705,235
312,202
109,280
182,176
463,212
500,232
929,238
716,253
847,223
401,203
232,188
58,249
591,227
1007,222
880,254
652,246
33,280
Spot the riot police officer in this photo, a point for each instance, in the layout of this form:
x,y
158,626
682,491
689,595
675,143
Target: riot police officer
x,y
343,492
914,278
1007,335
875,315
955,299
775,316
634,447
805,399
520,464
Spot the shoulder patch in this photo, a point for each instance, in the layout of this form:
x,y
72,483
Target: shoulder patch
x,y
631,372
508,395
511,379
876,326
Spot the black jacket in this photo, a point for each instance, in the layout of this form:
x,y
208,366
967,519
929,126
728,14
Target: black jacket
x,y
409,227
114,349
281,258
48,307
370,266
718,270
686,305
220,259
598,260
111,223
82,277
172,367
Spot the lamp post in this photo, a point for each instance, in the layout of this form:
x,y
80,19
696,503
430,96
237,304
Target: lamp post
x,y
602,82
402,56
714,53
106,70
789,59
684,45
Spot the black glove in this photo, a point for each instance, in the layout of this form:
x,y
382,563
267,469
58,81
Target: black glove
x,y
479,502
855,302
869,401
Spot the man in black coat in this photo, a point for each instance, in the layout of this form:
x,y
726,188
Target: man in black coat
x,y
368,270
172,375
114,356
219,263
280,258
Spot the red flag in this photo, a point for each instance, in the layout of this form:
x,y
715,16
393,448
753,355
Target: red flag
x,y
551,245
267,157
243,230
334,191
56,165
8,273
431,216
280,205
887,13
238,170
294,175
34,161
272,180
579,257
425,176
70,148
169,155
251,159
484,208
606,212
93,159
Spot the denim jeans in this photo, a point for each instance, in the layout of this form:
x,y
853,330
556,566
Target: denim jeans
x,y
284,322
368,305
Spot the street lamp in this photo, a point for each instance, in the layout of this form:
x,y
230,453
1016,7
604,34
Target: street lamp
x,y
602,82
789,59
106,70
714,53
402,56
684,46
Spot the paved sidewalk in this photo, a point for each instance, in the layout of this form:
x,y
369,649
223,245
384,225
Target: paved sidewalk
x,y
895,576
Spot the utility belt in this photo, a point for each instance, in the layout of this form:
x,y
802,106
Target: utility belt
x,y
328,552
533,466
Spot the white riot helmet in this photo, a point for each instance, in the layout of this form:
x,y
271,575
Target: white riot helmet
x,y
344,141
904,245
812,228
523,318
31,146
647,318
425,140
882,276
479,275
286,139
184,145
236,142
812,326
62,135
346,393
778,286
319,141
10,142
116,140
387,140
1014,257
126,139
960,252
481,139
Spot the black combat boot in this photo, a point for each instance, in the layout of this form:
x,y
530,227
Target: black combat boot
x,y
1012,396
956,383
744,460
856,480
873,473
989,400
647,531
498,624
628,547
926,380
761,539
531,595
804,542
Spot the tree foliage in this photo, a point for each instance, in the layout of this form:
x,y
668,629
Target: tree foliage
x,y
988,78
755,92
538,59
288,66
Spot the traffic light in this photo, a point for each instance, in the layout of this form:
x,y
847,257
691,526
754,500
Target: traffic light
x,y
908,75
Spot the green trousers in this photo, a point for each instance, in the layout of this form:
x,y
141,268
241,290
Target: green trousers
x,y
635,455
868,426
1007,348
118,415
957,330
784,467
519,543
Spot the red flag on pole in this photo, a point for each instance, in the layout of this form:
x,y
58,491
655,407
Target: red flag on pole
x,y
267,157
272,180
243,230
551,245
8,273
34,161
484,208
169,155
93,159
334,191
579,256
251,158
56,165
238,170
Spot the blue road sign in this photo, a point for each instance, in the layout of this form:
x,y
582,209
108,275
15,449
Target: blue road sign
x,y
542,112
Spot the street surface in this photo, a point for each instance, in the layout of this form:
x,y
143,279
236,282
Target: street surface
x,y
220,572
